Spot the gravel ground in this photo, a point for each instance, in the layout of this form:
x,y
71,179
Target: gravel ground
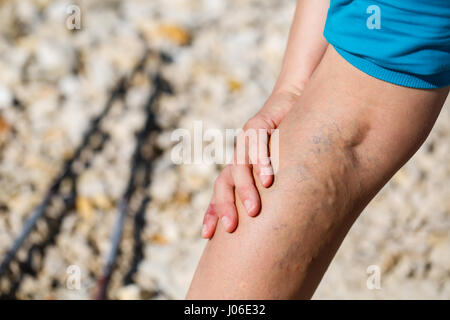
x,y
225,58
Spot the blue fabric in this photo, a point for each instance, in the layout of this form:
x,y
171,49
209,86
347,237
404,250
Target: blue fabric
x,y
411,47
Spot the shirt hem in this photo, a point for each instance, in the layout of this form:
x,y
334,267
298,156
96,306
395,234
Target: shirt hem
x,y
434,81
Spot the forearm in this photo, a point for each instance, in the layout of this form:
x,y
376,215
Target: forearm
x,y
339,145
305,48
306,45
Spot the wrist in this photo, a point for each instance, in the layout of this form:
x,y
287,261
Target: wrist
x,y
279,104
285,86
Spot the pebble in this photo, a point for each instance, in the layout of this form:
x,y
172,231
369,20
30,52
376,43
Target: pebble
x,y
5,97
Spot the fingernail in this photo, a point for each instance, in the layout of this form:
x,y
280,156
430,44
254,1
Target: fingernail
x,y
204,230
248,205
226,222
264,179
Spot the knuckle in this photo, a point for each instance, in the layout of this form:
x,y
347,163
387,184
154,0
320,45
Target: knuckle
x,y
244,190
211,209
257,122
223,209
250,124
265,121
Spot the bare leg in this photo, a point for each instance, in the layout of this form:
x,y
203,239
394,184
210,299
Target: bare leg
x,y
347,135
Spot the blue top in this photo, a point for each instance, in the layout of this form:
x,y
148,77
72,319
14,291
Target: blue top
x,y
405,42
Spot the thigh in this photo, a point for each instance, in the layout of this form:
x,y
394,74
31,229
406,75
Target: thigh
x,y
338,146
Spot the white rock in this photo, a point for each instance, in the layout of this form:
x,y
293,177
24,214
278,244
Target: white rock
x,y
130,292
5,97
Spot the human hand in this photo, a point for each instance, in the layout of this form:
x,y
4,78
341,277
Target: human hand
x,y
239,175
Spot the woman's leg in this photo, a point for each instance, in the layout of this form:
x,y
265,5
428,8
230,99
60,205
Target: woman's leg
x,y
347,135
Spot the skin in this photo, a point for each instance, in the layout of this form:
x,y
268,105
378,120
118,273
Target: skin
x,y
305,48
343,139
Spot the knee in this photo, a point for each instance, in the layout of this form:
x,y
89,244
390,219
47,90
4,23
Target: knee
x,y
318,164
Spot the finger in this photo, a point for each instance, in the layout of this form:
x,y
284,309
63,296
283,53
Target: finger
x,y
224,199
259,157
241,155
210,221
246,189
